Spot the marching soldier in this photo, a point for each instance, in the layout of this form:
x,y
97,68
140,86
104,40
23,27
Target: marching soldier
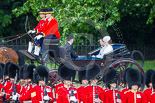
x,y
151,95
21,75
41,92
25,94
133,78
82,89
67,94
148,83
112,79
13,86
95,94
38,29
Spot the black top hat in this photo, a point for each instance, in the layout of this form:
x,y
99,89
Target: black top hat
x,y
42,11
29,71
12,70
41,73
69,37
133,77
66,73
93,71
22,71
5,70
112,76
153,79
49,10
148,75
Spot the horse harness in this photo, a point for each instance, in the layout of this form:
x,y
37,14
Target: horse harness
x,y
6,56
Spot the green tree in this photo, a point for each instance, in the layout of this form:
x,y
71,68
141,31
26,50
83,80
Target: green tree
x,y
73,14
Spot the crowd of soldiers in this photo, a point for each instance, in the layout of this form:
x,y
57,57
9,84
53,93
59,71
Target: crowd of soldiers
x,y
28,84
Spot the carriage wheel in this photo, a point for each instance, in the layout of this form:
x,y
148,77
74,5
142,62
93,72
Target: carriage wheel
x,y
53,77
47,59
122,64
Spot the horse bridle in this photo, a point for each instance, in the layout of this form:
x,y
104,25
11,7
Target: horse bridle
x,y
7,59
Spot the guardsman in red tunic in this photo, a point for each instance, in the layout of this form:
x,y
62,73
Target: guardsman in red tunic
x,y
25,94
148,83
112,79
133,78
82,89
94,92
67,94
41,92
50,30
125,83
58,86
14,86
38,29
151,92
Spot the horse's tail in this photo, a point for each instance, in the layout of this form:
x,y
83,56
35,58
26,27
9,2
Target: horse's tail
x,y
21,58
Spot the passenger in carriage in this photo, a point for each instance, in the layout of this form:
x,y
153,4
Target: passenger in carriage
x,y
106,47
71,53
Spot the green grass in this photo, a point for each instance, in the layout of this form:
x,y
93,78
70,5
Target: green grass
x,y
149,64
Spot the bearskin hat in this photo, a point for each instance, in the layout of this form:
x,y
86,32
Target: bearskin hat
x,y
12,70
124,75
66,73
153,79
147,77
82,75
112,76
93,71
133,77
5,70
41,73
22,71
1,72
29,71
2,64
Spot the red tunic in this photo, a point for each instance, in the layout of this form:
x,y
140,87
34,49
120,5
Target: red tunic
x,y
37,95
134,97
150,95
111,96
58,86
64,95
123,91
91,92
82,94
40,26
147,93
26,93
51,27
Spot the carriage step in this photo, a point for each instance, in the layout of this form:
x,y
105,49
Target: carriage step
x,y
27,54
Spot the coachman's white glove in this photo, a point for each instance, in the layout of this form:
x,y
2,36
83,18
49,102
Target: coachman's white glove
x,y
38,37
29,32
33,31
46,98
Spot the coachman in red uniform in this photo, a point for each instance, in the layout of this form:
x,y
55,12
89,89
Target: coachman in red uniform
x,y
38,29
94,92
67,94
134,78
112,79
41,92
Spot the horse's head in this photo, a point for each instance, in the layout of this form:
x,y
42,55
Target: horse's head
x,y
2,56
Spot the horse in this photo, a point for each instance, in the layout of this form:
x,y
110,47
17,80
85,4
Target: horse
x,y
10,55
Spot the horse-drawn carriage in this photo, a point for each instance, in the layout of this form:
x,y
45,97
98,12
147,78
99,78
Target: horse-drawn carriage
x,y
120,58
